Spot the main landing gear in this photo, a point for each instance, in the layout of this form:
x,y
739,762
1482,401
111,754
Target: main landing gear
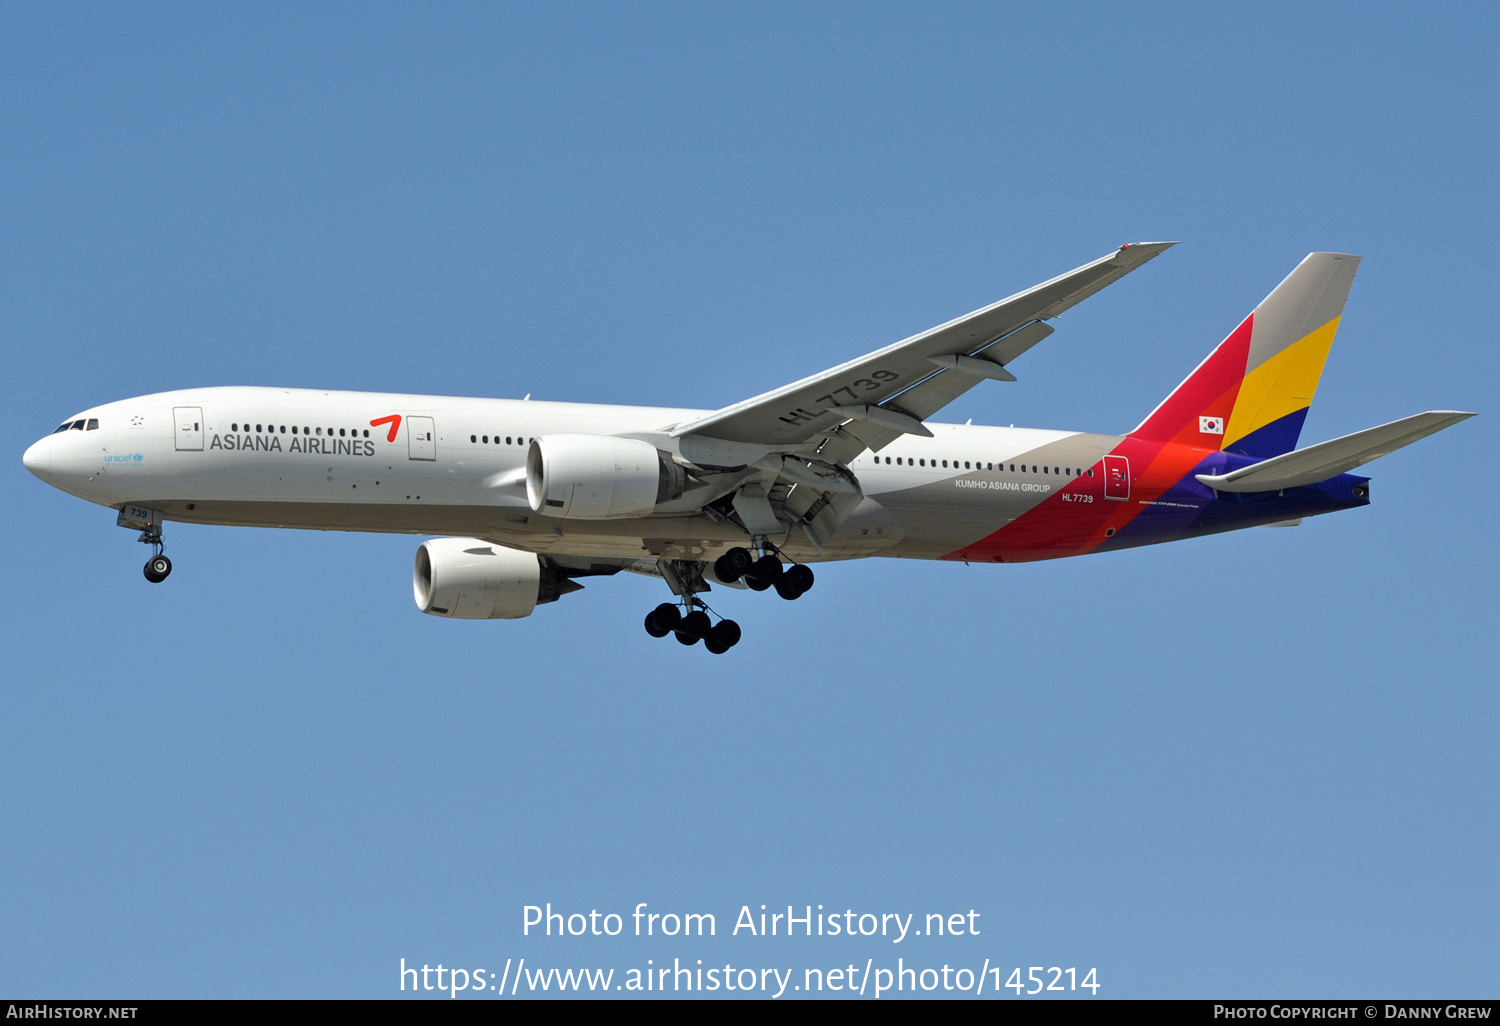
x,y
693,627
766,572
691,622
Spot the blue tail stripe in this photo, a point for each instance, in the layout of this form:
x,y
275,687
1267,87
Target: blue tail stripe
x,y
1275,438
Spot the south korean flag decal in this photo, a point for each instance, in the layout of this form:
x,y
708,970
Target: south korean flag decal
x,y
1211,425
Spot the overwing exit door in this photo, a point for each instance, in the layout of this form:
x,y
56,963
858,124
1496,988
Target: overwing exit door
x,y
421,438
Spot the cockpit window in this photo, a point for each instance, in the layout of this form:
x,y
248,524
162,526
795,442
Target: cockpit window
x,y
93,424
63,427
78,425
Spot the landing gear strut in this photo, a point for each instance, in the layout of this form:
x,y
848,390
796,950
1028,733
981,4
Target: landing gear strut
x,y
147,521
689,619
691,622
158,566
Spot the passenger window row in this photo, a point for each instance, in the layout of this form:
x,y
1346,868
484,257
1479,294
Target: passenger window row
x,y
509,440
980,465
272,429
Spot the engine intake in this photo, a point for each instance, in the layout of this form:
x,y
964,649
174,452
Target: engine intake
x,y
471,579
599,477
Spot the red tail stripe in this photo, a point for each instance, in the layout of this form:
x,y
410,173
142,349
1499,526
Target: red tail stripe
x,y
1209,391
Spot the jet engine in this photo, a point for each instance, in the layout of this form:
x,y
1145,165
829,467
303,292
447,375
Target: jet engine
x,y
599,477
470,579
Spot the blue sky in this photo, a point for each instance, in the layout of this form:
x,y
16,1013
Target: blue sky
x,y
1261,764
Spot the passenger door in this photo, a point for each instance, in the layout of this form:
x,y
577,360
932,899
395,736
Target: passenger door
x,y
1116,477
188,422
421,438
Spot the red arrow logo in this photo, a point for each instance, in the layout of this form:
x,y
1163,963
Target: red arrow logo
x,y
394,420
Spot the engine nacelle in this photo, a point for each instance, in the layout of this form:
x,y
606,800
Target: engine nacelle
x,y
599,477
470,579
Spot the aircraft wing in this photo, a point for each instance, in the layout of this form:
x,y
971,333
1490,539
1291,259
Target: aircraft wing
x,y
884,394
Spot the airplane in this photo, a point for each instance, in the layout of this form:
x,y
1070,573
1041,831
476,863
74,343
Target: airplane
x,y
528,497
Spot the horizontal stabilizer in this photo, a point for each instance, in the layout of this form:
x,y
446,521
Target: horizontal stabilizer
x,y
1329,459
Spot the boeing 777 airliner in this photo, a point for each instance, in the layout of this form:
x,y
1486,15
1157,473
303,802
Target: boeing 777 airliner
x,y
528,497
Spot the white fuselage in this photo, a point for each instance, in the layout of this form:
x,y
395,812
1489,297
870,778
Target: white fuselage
x,y
437,465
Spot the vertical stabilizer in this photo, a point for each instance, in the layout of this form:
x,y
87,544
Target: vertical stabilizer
x,y
1252,393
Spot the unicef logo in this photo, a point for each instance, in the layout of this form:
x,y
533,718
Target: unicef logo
x,y
136,457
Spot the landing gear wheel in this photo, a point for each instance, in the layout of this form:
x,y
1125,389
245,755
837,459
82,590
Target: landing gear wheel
x,y
755,583
157,568
795,582
726,632
731,566
724,636
693,628
767,571
801,576
661,620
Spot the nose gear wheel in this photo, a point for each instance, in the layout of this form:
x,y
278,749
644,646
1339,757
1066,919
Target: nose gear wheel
x,y
158,566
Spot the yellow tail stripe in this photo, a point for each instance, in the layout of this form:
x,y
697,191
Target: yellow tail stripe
x,y
1282,385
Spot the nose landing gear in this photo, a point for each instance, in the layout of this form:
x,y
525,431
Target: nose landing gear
x,y
158,566
148,522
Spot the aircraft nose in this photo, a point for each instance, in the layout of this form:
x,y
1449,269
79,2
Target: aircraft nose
x,y
33,457
37,461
